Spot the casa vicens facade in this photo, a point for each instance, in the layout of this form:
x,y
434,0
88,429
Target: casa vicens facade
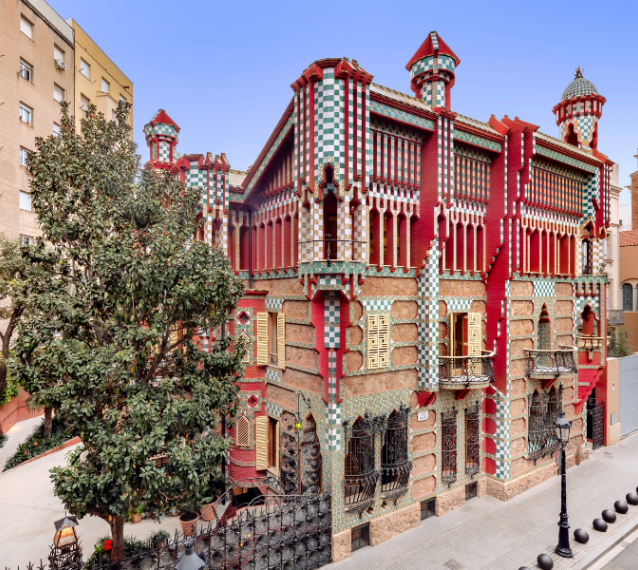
x,y
424,291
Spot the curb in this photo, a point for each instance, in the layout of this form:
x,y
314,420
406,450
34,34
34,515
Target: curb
x,y
611,547
48,452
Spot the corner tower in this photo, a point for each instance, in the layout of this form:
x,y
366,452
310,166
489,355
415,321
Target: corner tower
x,y
578,112
432,72
161,137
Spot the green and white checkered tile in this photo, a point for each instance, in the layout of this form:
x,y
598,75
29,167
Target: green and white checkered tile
x,y
164,151
333,422
456,305
502,448
331,328
591,190
502,470
544,288
195,176
375,305
273,410
273,375
502,430
274,304
328,282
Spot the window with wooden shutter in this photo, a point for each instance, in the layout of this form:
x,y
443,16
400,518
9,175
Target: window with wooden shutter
x,y
378,341
474,334
281,341
261,442
242,432
262,339
246,343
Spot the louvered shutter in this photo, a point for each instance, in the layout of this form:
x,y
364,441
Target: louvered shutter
x,y
373,342
281,341
261,442
262,339
474,334
384,341
242,432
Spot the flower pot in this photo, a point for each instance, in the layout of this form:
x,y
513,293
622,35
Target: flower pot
x,y
186,520
208,514
137,518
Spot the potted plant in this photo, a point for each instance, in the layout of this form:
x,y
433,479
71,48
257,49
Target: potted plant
x,y
187,521
213,491
137,514
159,539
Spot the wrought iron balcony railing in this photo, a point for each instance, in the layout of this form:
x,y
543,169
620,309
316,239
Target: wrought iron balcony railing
x,y
330,247
588,269
615,317
458,372
552,362
585,342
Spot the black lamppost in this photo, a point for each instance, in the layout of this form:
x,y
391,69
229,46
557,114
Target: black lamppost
x,y
562,433
189,559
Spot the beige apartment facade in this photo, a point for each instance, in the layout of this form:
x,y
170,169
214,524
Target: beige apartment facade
x,y
97,79
37,73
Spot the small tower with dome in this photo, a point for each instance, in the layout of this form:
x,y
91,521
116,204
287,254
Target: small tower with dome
x,y
578,112
162,135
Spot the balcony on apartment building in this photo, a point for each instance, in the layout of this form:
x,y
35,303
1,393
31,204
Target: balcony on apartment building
x,y
551,362
466,372
615,317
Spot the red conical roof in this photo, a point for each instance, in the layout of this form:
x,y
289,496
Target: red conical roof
x,y
432,45
162,117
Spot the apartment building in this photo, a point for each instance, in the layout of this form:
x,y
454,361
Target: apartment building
x,y
425,292
45,60
35,75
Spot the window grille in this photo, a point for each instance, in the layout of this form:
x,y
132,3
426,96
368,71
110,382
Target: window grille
x,y
395,465
472,441
471,491
627,297
360,475
544,408
448,472
311,459
428,508
360,536
378,341
242,432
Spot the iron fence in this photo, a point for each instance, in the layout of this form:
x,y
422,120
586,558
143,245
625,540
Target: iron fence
x,y
544,409
466,370
551,362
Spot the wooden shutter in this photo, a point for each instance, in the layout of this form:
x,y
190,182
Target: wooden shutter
x,y
277,436
384,341
378,341
242,432
248,345
261,442
281,341
262,339
474,334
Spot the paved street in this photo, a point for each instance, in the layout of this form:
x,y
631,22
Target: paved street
x,y
487,534
624,556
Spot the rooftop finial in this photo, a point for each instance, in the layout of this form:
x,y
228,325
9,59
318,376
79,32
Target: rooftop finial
x,y
579,73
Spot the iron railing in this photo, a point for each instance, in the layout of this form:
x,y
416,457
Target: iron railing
x,y
466,371
586,342
550,362
544,408
360,474
588,269
328,250
615,317
472,441
395,465
448,469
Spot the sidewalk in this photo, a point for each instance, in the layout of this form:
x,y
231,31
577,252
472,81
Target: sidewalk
x,y
487,534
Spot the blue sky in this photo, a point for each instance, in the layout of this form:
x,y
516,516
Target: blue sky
x,y
223,71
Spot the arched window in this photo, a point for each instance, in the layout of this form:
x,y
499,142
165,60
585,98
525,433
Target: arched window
x,y
287,242
243,248
375,231
231,246
279,246
395,465
588,257
360,478
544,330
330,225
588,318
242,432
628,297
535,252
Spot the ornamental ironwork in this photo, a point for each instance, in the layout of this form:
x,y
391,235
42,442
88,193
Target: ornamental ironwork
x,y
551,362
289,454
466,371
472,441
596,415
311,459
544,409
360,474
395,465
448,470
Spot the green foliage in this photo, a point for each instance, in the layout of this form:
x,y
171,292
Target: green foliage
x,y
619,343
100,345
3,439
11,389
36,443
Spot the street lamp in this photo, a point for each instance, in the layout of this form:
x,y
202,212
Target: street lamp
x,y
189,559
562,433
65,536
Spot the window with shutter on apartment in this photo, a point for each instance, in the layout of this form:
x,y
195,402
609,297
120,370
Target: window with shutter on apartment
x,y
281,341
25,201
262,339
56,130
466,334
105,85
26,114
58,54
242,432
58,93
26,27
26,71
261,442
85,69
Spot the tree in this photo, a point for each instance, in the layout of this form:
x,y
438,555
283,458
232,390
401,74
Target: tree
x,y
619,343
124,291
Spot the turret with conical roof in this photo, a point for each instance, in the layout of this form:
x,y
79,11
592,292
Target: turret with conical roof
x,y
161,137
432,71
578,112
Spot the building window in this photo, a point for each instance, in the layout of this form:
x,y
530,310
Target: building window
x,y
472,441
105,85
541,433
378,341
448,469
58,55
23,156
26,71
360,475
58,93
267,444
84,105
26,27
85,69
26,240
627,297
271,341
26,114
588,257
114,116
242,432
395,465
56,130
25,201
122,98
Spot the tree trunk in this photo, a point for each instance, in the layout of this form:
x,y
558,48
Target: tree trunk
x,y
3,374
117,534
48,422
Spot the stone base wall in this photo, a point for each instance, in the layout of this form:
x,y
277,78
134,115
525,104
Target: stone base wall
x,y
390,525
341,546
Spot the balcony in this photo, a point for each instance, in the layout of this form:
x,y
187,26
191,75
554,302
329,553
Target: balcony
x,y
585,342
615,317
551,362
464,372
